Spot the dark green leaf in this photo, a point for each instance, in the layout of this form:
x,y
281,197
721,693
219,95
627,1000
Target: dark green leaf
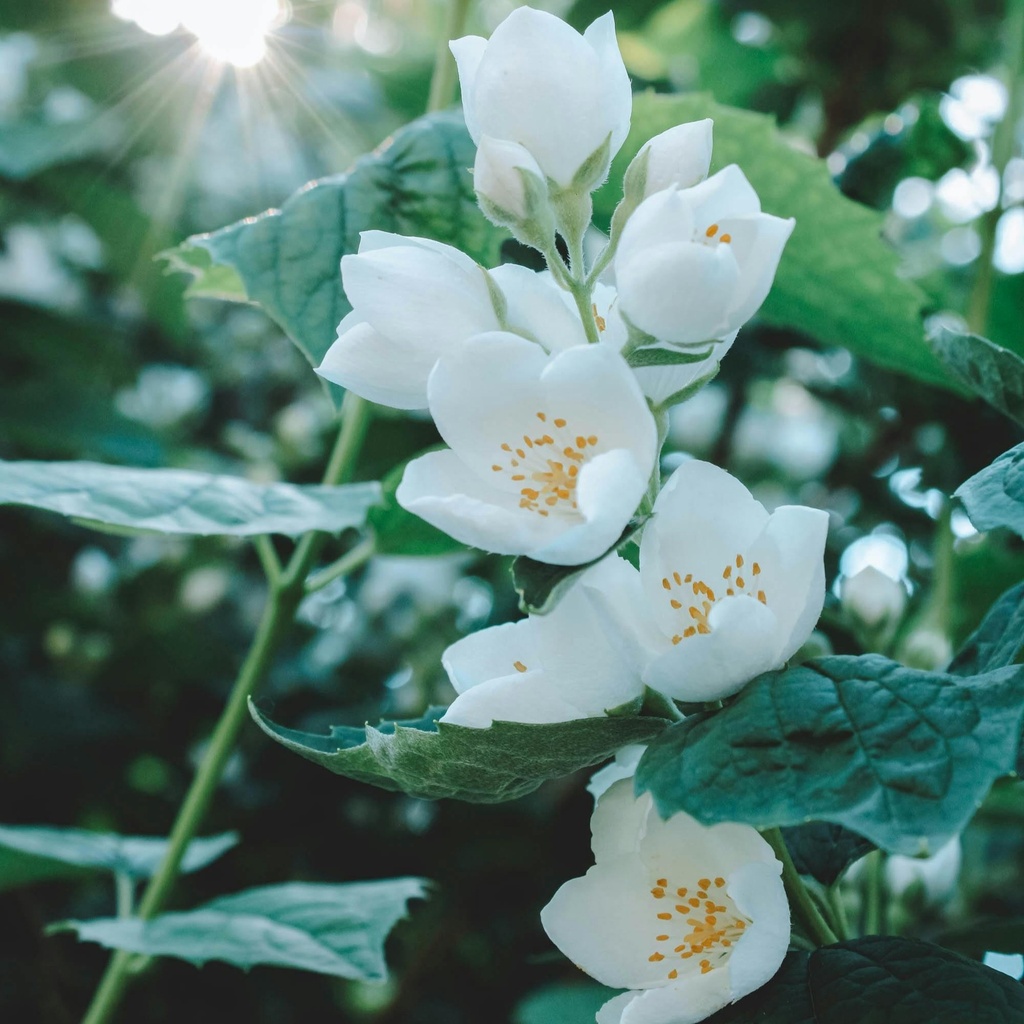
x,y
999,935
398,532
998,641
995,496
993,372
899,756
824,851
540,586
181,501
838,280
29,852
330,929
433,760
880,980
287,260
563,1004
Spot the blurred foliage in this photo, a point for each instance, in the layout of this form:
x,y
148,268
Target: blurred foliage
x,y
116,653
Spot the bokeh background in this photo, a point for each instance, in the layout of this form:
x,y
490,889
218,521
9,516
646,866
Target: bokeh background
x,y
126,127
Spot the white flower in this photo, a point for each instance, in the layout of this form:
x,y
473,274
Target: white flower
x,y
697,263
412,299
549,455
689,918
550,668
679,157
622,767
731,590
937,875
539,83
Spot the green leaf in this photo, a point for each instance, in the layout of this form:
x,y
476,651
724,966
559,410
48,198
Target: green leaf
x,y
899,756
540,586
30,853
993,372
330,929
995,496
431,759
838,280
880,980
398,532
563,1004
663,356
182,501
418,183
824,851
998,641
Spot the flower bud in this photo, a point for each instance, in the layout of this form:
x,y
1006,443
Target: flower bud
x,y
512,192
872,599
678,157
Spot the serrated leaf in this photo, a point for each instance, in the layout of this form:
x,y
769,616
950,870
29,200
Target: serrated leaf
x,y
329,929
838,280
182,501
880,980
398,532
29,853
989,370
899,756
998,641
995,496
433,760
823,850
287,260
540,586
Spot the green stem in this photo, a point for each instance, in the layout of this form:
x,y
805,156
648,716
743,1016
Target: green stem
x,y
283,598
442,84
268,557
124,893
1003,142
804,909
835,901
874,895
348,563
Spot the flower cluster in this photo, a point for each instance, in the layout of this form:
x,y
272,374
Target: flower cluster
x,y
550,390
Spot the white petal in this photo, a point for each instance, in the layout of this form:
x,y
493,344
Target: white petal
x,y
619,821
679,157
678,292
661,382
497,173
467,52
744,641
605,923
793,543
610,489
515,101
611,1012
758,892
617,100
663,218
376,367
418,296
760,265
522,697
538,309
725,194
440,488
686,1002
491,654
623,767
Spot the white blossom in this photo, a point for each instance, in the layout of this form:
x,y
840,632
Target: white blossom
x,y
539,83
550,668
679,157
549,455
695,264
731,590
688,918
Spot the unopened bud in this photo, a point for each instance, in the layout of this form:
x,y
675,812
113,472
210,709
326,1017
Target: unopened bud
x,y
512,190
872,598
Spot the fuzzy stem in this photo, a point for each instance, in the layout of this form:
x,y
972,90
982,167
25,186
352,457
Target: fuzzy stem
x,y
804,908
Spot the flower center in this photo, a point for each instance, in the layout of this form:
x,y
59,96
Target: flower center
x,y
697,926
704,598
711,235
547,467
